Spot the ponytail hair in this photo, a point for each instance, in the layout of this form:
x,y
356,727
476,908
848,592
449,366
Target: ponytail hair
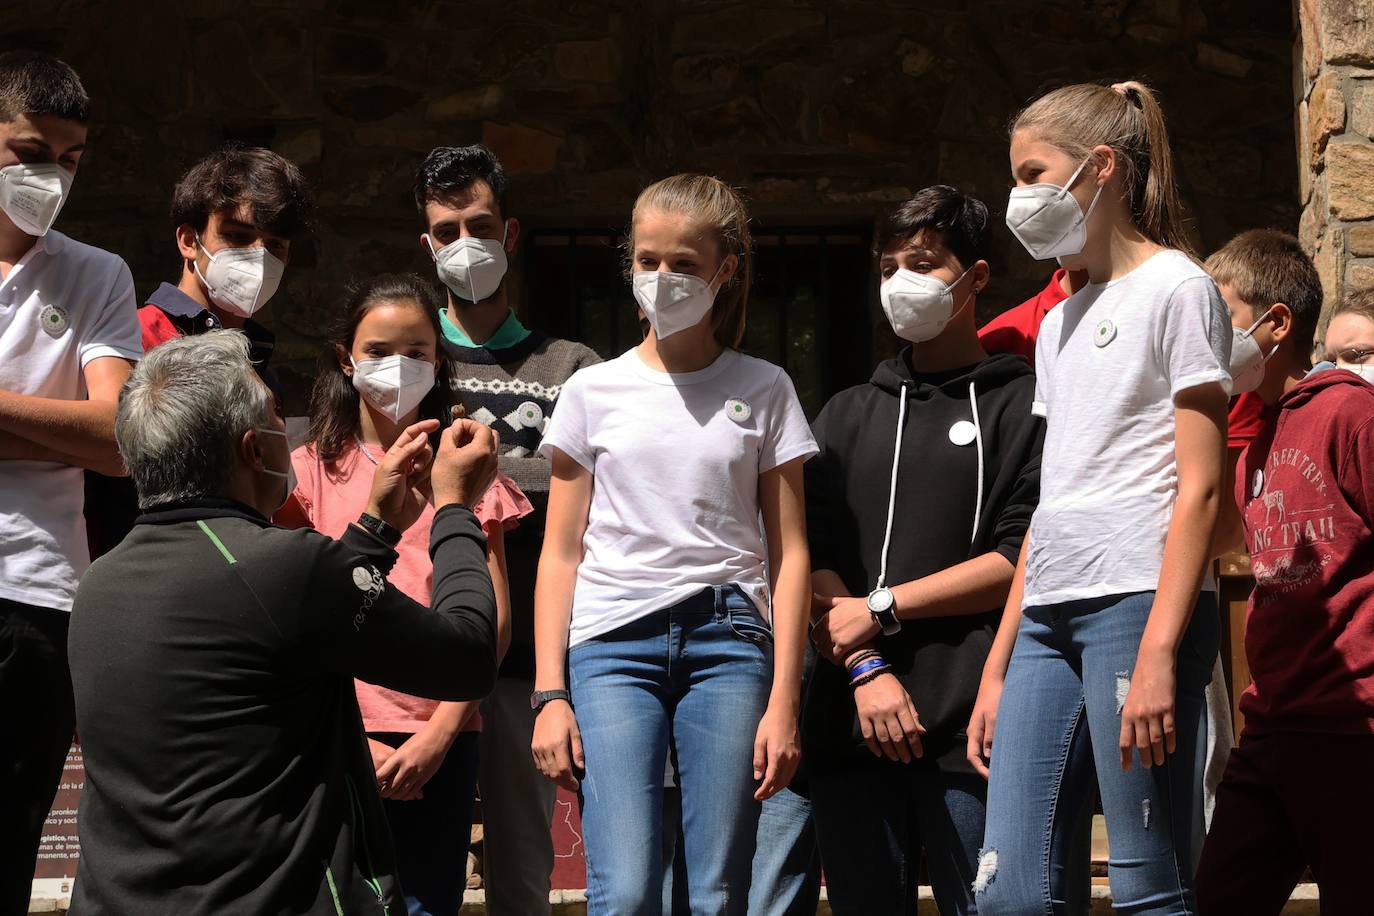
x,y
719,208
334,402
1127,117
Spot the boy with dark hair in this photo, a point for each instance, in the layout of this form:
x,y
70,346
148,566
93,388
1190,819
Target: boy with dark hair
x,y
911,576
68,337
509,378
1296,792
235,215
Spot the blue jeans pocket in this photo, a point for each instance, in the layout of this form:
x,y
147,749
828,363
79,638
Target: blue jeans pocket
x,y
748,624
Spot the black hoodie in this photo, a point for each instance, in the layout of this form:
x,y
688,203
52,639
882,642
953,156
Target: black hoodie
x,y
938,497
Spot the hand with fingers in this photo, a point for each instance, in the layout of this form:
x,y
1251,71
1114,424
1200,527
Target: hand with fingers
x,y
465,465
404,773
888,719
982,723
557,745
1147,715
777,750
845,625
401,483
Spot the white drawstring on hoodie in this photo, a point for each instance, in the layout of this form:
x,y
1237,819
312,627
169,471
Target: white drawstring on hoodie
x,y
896,461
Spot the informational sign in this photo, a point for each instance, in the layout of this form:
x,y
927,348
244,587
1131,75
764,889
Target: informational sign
x,y
60,848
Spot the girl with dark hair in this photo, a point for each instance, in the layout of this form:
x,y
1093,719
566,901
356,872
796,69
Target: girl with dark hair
x,y
383,371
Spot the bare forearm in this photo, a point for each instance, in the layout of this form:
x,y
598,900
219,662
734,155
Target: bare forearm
x,y
496,566
791,601
999,656
82,429
552,614
971,587
1187,551
17,448
449,718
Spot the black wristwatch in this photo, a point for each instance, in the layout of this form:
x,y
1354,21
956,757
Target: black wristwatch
x,y
541,698
883,606
387,534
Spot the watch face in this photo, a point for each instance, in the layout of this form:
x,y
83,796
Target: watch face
x,y
879,600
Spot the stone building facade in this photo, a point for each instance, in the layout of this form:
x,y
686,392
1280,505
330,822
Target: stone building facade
x,y
1335,122
822,112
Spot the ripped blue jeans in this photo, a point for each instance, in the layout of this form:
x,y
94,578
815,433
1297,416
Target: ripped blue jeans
x,y
1059,719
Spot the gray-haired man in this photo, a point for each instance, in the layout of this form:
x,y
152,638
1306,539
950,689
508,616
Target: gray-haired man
x,y
213,655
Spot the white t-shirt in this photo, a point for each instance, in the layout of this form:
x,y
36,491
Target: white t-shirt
x,y
1109,362
675,461
64,304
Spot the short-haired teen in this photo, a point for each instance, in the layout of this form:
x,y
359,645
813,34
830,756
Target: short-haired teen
x,y
68,335
672,595
235,215
1113,621
1296,793
509,377
917,505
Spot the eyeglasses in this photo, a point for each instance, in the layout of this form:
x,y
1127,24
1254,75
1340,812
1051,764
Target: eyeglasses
x,y
1354,355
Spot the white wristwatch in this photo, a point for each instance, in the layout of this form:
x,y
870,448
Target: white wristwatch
x,y
883,606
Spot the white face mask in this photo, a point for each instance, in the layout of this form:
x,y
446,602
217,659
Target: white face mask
x,y
472,268
1363,370
1047,220
919,306
1247,360
673,302
394,385
289,475
32,194
240,280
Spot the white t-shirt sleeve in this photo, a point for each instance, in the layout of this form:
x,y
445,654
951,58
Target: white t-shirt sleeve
x,y
114,330
787,435
1195,336
1044,364
567,427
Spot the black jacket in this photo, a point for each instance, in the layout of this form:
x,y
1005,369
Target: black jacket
x,y
939,661
213,658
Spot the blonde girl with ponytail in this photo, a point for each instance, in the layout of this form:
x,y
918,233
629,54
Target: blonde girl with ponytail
x,y
665,615
1110,633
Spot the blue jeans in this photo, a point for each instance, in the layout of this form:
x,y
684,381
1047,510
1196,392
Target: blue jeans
x,y
1061,716
786,874
697,674
432,834
874,817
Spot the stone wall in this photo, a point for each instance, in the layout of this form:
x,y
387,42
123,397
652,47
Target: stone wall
x,y
824,112
1336,126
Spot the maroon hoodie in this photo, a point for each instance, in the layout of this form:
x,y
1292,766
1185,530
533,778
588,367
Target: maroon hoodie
x,y
1306,492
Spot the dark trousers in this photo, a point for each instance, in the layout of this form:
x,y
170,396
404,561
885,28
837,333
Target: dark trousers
x,y
1288,802
36,722
873,819
432,834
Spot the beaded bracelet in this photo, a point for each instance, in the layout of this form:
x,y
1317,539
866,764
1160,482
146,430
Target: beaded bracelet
x,y
864,656
871,675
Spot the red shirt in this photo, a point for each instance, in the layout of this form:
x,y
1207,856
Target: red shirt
x,y
1015,330
1305,487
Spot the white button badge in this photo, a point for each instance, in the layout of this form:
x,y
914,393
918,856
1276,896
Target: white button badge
x,y
1258,485
54,320
531,415
962,433
1105,333
738,409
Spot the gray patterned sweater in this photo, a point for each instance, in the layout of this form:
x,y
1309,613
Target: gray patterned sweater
x,y
513,391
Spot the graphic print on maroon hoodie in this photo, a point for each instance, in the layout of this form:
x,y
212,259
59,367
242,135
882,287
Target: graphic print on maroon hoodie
x,y
1306,493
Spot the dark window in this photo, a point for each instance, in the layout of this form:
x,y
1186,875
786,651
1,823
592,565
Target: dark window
x,y
808,309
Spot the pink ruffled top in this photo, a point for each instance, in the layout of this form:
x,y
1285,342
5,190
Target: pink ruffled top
x,y
332,496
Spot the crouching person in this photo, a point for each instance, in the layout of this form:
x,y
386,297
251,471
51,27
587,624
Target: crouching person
x,y
213,655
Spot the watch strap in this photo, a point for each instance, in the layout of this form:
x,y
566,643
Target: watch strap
x,y
387,534
541,698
